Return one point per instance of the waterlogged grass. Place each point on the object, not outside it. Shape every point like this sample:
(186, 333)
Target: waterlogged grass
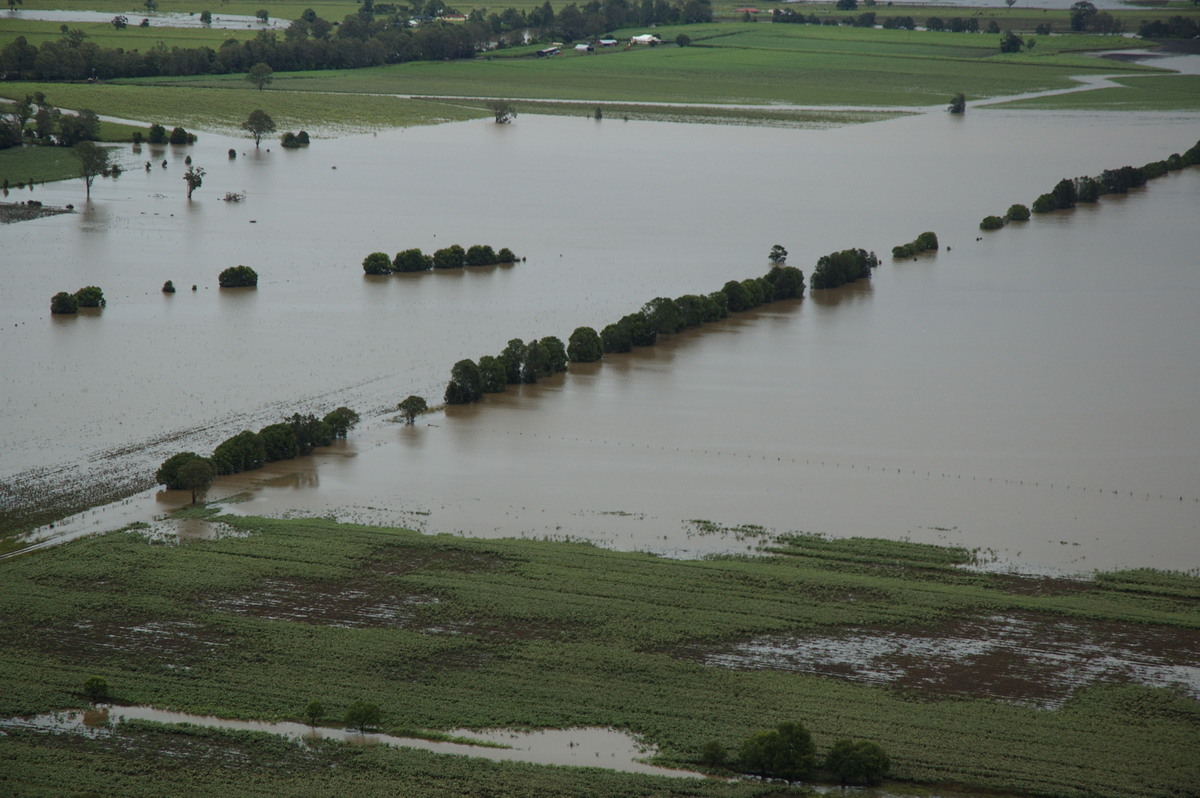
(154, 760)
(759, 117)
(226, 108)
(1140, 93)
(447, 632)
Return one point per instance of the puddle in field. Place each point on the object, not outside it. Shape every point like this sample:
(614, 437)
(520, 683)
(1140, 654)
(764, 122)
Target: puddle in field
(1022, 658)
(584, 747)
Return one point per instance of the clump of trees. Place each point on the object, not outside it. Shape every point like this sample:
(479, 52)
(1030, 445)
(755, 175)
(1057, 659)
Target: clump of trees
(89, 296)
(839, 268)
(958, 104)
(787, 752)
(520, 362)
(294, 140)
(1176, 27)
(923, 243)
(158, 134)
(238, 277)
(991, 223)
(451, 257)
(247, 451)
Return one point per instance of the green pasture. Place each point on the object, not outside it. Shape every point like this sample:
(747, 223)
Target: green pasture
(279, 9)
(105, 35)
(737, 64)
(226, 108)
(445, 632)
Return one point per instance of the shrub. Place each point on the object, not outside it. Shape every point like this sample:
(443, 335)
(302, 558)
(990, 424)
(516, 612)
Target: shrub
(991, 223)
(289, 140)
(451, 257)
(377, 263)
(168, 287)
(1017, 213)
(181, 136)
(95, 689)
(412, 260)
(157, 135)
(1044, 204)
(584, 346)
(90, 297)
(480, 255)
(64, 304)
(860, 762)
(238, 276)
(505, 255)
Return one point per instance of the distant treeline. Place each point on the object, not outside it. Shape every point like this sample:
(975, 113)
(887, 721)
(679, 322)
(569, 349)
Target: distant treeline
(1173, 28)
(376, 34)
(248, 450)
(526, 363)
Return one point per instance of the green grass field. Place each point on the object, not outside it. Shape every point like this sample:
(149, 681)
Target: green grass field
(105, 35)
(447, 632)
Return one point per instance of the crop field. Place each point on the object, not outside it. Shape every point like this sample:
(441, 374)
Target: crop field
(445, 632)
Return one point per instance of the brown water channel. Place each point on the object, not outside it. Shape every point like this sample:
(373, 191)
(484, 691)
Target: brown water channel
(582, 747)
(1031, 391)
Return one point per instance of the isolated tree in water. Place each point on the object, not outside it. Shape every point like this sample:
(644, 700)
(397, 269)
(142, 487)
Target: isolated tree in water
(259, 124)
(194, 176)
(778, 254)
(412, 407)
(93, 161)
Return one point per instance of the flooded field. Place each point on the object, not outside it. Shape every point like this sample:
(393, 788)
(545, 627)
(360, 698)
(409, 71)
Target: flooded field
(1030, 391)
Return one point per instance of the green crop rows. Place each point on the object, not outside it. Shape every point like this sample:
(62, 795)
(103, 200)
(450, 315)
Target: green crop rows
(446, 632)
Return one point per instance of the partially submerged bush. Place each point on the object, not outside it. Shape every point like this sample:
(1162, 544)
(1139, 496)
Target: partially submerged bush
(238, 277)
(991, 223)
(1017, 213)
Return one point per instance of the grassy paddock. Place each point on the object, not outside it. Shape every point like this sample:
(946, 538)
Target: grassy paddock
(447, 632)
(105, 35)
(225, 109)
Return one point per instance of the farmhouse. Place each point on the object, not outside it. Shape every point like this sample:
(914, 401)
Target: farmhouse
(646, 38)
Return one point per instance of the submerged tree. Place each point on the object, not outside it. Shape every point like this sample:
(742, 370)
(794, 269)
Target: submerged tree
(412, 407)
(93, 161)
(958, 104)
(196, 476)
(503, 111)
(259, 124)
(194, 177)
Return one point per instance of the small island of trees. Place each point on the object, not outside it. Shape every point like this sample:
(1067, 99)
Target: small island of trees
(451, 257)
(925, 242)
(238, 277)
(65, 304)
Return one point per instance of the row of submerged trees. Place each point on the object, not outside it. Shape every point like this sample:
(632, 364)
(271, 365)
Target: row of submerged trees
(526, 363)
(246, 451)
(1069, 192)
(451, 257)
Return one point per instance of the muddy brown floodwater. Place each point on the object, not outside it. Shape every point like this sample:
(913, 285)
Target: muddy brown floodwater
(1030, 391)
